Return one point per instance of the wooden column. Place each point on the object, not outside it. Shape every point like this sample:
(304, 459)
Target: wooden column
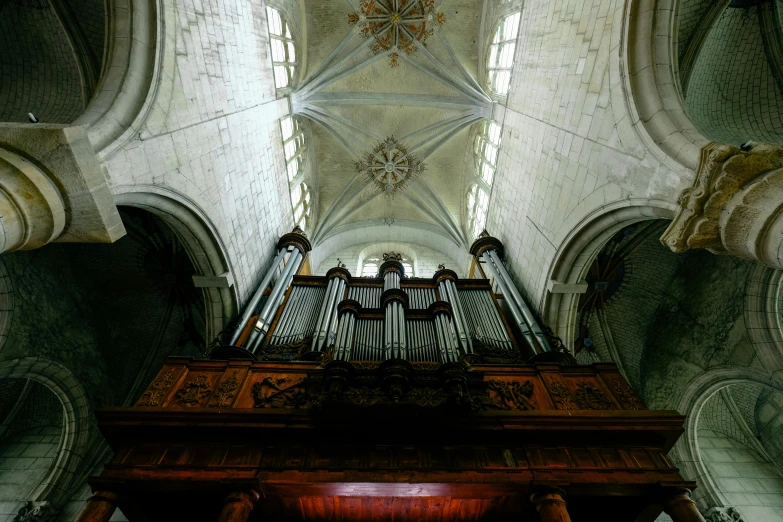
(99, 508)
(550, 504)
(681, 508)
(238, 506)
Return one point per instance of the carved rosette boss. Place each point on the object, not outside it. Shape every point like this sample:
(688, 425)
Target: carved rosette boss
(734, 205)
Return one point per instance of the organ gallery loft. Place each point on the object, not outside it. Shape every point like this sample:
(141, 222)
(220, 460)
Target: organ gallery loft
(391, 260)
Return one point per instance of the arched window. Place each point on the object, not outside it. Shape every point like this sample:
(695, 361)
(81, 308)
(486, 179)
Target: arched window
(478, 204)
(486, 149)
(283, 48)
(370, 267)
(501, 54)
(371, 264)
(300, 201)
(293, 146)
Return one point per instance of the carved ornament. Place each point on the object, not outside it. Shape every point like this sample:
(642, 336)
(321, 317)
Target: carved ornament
(626, 395)
(154, 395)
(396, 26)
(225, 392)
(732, 189)
(279, 393)
(36, 512)
(390, 166)
(724, 514)
(193, 392)
(286, 352)
(510, 395)
(562, 396)
(592, 398)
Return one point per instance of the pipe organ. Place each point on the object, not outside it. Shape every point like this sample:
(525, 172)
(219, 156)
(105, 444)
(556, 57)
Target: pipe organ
(389, 397)
(389, 317)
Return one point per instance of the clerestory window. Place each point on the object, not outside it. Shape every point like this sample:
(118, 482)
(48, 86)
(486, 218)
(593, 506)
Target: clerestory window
(486, 149)
(478, 205)
(501, 54)
(293, 146)
(283, 48)
(300, 201)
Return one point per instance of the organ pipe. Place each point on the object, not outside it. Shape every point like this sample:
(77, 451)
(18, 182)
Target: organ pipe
(490, 250)
(326, 329)
(253, 304)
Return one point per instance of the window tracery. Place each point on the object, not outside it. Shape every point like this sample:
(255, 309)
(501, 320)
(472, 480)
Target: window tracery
(283, 48)
(501, 54)
(486, 149)
(300, 201)
(293, 146)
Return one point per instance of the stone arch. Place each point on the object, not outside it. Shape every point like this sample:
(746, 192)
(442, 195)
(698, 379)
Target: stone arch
(367, 232)
(650, 81)
(202, 243)
(138, 44)
(762, 315)
(78, 427)
(692, 401)
(579, 246)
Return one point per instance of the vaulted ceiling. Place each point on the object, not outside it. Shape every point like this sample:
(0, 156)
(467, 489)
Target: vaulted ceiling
(423, 92)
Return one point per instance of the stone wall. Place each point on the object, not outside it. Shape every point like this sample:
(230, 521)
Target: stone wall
(212, 141)
(570, 152)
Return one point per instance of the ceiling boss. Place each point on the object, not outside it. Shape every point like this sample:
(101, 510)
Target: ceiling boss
(396, 25)
(390, 166)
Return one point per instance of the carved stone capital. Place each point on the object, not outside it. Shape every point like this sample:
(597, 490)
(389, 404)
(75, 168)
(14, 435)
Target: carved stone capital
(734, 205)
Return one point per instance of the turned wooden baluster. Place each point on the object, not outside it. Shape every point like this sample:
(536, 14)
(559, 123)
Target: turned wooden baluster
(99, 508)
(681, 508)
(238, 506)
(550, 504)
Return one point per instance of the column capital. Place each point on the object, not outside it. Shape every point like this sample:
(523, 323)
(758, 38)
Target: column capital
(734, 205)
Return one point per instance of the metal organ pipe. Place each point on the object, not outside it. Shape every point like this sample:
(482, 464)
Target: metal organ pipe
(518, 317)
(459, 315)
(278, 291)
(326, 329)
(527, 315)
(343, 345)
(253, 304)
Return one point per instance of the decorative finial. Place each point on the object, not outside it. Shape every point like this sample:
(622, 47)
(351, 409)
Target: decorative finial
(340, 264)
(298, 230)
(441, 266)
(392, 256)
(484, 233)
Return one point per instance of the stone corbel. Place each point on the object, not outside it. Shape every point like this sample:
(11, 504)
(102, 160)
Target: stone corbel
(36, 512)
(734, 206)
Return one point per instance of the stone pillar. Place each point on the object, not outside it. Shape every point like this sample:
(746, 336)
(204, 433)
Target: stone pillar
(681, 508)
(550, 504)
(238, 506)
(99, 508)
(735, 205)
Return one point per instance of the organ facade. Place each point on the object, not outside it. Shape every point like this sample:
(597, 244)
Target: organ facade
(389, 397)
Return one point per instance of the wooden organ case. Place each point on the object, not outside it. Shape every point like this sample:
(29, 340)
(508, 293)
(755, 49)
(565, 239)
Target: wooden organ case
(389, 398)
